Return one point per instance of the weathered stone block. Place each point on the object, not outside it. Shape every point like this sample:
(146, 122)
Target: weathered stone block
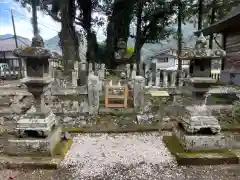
(28, 146)
(201, 142)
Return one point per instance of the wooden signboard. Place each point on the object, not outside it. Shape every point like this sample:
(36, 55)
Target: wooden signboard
(159, 93)
(109, 96)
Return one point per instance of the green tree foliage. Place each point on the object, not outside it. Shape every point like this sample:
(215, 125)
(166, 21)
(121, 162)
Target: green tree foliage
(222, 8)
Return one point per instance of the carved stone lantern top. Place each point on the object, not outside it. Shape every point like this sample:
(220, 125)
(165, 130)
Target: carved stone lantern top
(201, 51)
(35, 52)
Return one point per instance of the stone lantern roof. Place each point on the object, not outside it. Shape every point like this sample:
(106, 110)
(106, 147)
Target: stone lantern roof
(201, 51)
(36, 50)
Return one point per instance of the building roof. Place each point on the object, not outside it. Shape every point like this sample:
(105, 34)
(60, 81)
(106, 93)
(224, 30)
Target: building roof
(220, 26)
(8, 44)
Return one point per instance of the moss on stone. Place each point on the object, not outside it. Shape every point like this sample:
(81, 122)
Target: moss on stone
(107, 129)
(62, 147)
(198, 157)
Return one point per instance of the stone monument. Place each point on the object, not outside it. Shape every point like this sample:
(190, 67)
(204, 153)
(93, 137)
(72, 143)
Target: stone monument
(199, 130)
(37, 129)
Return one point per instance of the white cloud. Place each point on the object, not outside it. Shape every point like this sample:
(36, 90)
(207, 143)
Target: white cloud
(48, 27)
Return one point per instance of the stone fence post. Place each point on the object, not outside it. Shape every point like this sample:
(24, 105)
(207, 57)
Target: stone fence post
(93, 94)
(90, 69)
(134, 71)
(138, 93)
(24, 66)
(82, 73)
(75, 74)
(128, 71)
(101, 75)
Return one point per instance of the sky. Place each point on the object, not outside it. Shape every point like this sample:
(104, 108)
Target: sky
(22, 17)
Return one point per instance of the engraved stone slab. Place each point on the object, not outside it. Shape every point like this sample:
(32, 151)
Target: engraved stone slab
(201, 142)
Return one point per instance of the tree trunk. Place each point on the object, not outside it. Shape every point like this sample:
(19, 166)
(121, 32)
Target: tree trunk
(68, 36)
(138, 43)
(118, 27)
(110, 45)
(179, 31)
(212, 20)
(91, 47)
(86, 8)
(200, 13)
(34, 18)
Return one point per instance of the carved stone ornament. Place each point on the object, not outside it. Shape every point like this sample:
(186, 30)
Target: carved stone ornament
(201, 50)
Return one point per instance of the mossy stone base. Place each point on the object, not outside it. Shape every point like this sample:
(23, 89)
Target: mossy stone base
(35, 161)
(199, 157)
(28, 146)
(200, 141)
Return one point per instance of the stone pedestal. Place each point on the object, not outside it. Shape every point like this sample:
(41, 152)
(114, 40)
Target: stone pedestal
(33, 146)
(197, 86)
(201, 142)
(43, 123)
(199, 130)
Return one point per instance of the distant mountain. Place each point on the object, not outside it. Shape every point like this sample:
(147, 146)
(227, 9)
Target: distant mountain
(53, 44)
(148, 49)
(5, 36)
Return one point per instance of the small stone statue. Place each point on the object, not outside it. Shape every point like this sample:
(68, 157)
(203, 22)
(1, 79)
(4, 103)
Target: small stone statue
(201, 42)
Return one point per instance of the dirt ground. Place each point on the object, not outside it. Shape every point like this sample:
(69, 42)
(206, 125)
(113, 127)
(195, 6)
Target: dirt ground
(224, 172)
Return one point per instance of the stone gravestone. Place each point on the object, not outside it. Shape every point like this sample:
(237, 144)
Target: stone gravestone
(138, 93)
(154, 71)
(82, 73)
(93, 94)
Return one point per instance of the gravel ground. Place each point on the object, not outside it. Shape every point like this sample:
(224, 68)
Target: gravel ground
(123, 157)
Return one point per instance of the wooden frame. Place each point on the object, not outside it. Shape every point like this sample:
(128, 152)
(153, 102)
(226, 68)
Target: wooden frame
(123, 97)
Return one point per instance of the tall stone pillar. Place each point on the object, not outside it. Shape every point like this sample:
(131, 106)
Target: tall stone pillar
(138, 93)
(93, 94)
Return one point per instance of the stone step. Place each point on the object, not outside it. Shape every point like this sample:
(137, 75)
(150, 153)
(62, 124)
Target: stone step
(13, 162)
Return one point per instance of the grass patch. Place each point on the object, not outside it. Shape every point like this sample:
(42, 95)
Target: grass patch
(198, 157)
(117, 111)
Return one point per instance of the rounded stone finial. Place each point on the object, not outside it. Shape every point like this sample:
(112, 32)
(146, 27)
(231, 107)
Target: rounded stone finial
(37, 41)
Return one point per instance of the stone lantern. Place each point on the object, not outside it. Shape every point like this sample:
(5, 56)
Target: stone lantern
(37, 78)
(203, 62)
